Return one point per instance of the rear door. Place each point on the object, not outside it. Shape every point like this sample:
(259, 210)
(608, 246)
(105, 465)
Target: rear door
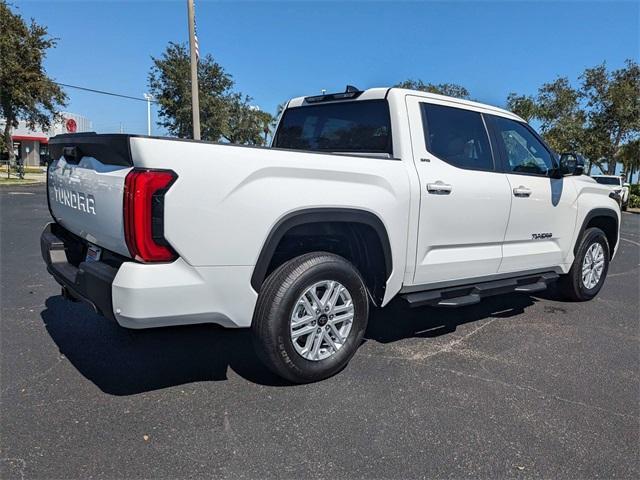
(464, 200)
(85, 187)
(543, 209)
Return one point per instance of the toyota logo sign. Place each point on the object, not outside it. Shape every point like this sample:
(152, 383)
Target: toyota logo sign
(71, 125)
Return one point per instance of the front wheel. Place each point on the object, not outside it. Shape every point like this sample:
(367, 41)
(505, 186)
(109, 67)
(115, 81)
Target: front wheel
(310, 317)
(589, 269)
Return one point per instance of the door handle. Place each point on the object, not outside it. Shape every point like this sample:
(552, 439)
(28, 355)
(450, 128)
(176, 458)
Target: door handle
(522, 191)
(439, 188)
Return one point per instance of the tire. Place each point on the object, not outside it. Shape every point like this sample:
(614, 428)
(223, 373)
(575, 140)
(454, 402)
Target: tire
(280, 305)
(624, 207)
(572, 285)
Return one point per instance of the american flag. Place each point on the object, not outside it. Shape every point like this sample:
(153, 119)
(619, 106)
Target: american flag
(195, 33)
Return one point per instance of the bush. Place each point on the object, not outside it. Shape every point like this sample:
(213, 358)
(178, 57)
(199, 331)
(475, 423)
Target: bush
(634, 201)
(635, 189)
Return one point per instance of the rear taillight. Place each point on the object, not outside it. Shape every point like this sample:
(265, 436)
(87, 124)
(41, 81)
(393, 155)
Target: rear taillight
(144, 215)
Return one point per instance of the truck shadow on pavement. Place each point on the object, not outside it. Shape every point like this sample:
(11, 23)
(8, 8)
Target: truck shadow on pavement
(127, 362)
(396, 321)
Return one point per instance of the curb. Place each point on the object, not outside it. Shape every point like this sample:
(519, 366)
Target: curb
(22, 183)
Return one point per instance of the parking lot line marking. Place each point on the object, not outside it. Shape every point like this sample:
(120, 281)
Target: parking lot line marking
(630, 241)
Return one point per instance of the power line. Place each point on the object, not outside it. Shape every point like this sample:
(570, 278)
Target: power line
(103, 92)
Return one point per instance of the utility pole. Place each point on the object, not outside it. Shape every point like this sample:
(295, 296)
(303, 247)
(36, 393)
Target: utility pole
(195, 102)
(149, 98)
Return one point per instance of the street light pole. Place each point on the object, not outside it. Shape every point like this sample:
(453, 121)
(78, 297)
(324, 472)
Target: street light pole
(195, 103)
(149, 98)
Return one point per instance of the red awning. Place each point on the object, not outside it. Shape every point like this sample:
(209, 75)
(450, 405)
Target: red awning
(28, 137)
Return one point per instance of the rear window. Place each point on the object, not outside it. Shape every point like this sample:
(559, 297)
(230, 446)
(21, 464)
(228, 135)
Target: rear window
(607, 180)
(361, 126)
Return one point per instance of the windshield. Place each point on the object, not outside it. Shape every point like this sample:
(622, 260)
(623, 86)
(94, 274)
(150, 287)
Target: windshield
(607, 180)
(360, 126)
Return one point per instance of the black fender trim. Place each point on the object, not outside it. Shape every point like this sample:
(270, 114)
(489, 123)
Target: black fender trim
(318, 215)
(596, 212)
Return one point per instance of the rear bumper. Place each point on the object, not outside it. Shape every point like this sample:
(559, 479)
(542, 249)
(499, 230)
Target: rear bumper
(139, 295)
(89, 282)
(164, 294)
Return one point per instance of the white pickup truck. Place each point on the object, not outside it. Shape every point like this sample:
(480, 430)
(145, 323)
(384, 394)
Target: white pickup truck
(618, 185)
(363, 196)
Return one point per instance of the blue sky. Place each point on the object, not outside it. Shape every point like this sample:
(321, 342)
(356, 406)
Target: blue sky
(277, 50)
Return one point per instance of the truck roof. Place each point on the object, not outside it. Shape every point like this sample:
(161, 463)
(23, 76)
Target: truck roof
(381, 93)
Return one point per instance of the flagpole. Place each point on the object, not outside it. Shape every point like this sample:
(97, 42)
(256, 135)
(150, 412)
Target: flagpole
(195, 103)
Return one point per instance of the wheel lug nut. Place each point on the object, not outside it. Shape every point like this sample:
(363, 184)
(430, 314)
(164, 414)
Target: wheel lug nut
(326, 309)
(313, 322)
(330, 317)
(319, 330)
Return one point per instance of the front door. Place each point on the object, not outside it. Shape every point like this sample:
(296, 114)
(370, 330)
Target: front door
(464, 200)
(543, 209)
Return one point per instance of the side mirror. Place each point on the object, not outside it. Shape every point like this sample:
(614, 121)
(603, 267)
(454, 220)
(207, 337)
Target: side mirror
(625, 184)
(571, 164)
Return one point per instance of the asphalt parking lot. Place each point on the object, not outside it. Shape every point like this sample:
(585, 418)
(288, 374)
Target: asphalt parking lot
(517, 386)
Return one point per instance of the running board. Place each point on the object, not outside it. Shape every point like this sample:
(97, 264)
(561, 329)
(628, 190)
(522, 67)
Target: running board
(471, 294)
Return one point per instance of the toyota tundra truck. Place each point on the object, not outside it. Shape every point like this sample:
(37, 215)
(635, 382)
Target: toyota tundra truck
(361, 197)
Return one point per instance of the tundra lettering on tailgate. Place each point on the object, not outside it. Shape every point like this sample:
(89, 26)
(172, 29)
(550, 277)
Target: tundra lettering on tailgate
(84, 202)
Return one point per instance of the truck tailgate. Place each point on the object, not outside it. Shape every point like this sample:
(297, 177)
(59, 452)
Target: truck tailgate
(85, 187)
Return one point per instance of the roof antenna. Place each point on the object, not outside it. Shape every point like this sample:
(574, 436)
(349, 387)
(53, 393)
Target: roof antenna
(351, 89)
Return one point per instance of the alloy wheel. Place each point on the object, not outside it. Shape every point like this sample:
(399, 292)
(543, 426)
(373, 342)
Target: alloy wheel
(321, 320)
(592, 265)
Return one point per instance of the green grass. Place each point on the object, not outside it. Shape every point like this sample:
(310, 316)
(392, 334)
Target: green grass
(16, 181)
(33, 169)
(30, 169)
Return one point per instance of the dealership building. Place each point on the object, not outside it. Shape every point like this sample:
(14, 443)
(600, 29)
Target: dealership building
(32, 146)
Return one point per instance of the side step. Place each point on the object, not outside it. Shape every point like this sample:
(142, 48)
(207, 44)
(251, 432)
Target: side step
(460, 301)
(471, 294)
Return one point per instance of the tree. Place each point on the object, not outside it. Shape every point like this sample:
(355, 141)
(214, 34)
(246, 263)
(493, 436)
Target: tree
(246, 124)
(613, 103)
(449, 89)
(597, 119)
(276, 118)
(266, 120)
(562, 118)
(170, 84)
(630, 158)
(26, 92)
(223, 113)
(522, 105)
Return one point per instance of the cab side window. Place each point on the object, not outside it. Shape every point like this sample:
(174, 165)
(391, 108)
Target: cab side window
(525, 153)
(457, 136)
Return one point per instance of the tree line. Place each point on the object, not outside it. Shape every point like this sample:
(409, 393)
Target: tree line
(598, 117)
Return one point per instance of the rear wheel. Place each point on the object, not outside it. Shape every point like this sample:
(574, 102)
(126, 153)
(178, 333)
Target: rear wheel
(310, 317)
(589, 269)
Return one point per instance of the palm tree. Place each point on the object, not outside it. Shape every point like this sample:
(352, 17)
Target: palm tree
(276, 117)
(629, 156)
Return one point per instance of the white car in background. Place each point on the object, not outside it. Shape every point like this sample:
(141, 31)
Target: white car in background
(617, 184)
